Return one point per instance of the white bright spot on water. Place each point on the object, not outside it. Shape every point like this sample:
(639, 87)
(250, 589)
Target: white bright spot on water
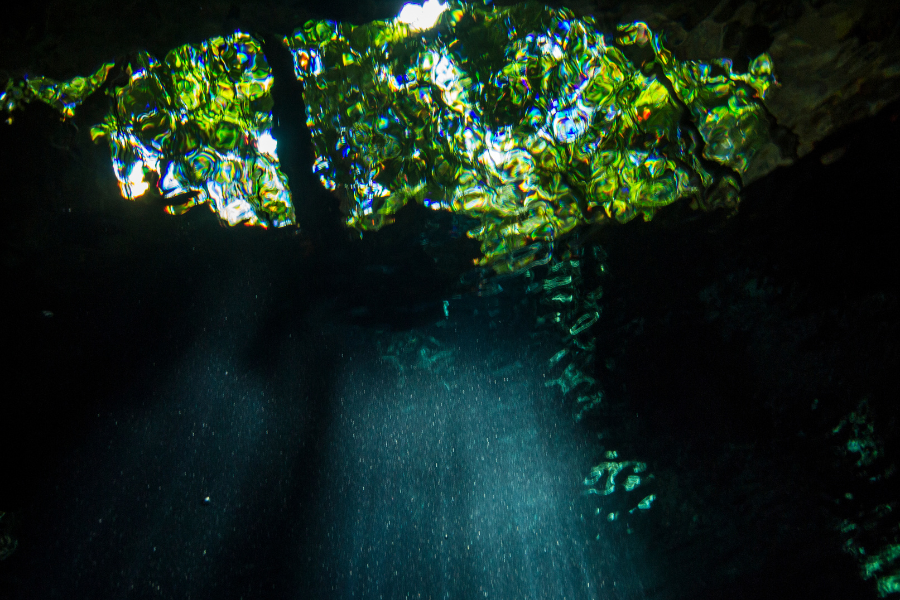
(237, 212)
(266, 144)
(444, 74)
(136, 184)
(421, 17)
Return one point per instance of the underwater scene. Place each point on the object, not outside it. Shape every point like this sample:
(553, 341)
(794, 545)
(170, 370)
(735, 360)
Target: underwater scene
(462, 299)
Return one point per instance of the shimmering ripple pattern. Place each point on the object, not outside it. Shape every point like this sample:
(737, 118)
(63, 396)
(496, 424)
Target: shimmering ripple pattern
(197, 125)
(526, 118)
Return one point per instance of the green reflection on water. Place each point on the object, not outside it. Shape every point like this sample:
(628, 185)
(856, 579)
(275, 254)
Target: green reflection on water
(524, 117)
